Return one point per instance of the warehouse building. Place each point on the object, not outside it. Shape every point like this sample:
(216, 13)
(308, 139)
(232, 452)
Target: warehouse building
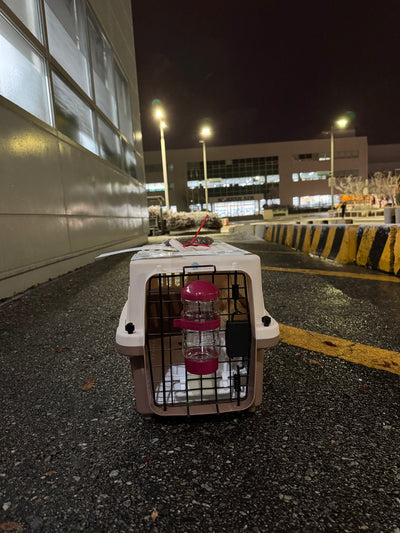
(242, 179)
(72, 181)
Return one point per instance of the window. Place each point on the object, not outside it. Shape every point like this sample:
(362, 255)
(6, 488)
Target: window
(318, 200)
(346, 154)
(273, 201)
(73, 117)
(303, 157)
(28, 12)
(153, 187)
(23, 74)
(270, 203)
(342, 154)
(236, 209)
(124, 105)
(67, 38)
(88, 101)
(233, 182)
(237, 168)
(310, 176)
(109, 144)
(103, 67)
(129, 159)
(344, 173)
(195, 207)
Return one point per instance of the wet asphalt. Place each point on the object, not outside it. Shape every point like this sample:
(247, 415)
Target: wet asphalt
(322, 453)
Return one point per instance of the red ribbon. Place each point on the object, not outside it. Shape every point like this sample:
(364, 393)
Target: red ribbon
(192, 243)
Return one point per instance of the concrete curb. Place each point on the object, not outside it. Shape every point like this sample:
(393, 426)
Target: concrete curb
(374, 247)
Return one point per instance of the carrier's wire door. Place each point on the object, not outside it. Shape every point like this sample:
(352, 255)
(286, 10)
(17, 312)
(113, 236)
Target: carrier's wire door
(171, 384)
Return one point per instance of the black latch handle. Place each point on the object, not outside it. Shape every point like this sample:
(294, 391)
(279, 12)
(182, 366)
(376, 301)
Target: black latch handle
(130, 328)
(266, 320)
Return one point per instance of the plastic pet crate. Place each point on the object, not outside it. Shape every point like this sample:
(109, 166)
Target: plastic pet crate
(147, 335)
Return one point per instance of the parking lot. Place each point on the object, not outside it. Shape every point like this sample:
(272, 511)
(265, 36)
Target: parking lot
(320, 454)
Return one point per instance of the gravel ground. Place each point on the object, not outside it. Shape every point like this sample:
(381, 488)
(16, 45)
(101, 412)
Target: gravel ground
(321, 454)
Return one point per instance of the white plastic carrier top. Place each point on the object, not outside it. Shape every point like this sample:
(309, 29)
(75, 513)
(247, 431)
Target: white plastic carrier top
(176, 249)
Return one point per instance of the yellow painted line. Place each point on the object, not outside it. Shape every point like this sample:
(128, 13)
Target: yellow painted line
(360, 354)
(333, 273)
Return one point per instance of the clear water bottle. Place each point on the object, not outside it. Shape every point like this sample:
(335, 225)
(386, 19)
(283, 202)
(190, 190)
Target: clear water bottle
(200, 325)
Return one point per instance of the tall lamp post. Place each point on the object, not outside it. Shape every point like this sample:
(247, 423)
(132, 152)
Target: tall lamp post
(340, 123)
(159, 115)
(205, 132)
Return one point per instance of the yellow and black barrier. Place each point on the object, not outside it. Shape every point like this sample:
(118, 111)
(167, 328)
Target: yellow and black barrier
(375, 247)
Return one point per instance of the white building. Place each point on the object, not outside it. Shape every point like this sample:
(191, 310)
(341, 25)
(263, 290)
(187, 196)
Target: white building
(243, 178)
(71, 157)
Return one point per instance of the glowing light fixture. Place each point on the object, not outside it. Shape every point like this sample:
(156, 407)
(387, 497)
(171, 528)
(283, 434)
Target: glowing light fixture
(340, 123)
(159, 114)
(204, 133)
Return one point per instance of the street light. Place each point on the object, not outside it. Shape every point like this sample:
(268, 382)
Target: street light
(205, 132)
(340, 124)
(159, 113)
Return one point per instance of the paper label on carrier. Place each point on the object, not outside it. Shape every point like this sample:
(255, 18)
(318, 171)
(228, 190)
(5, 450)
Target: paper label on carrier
(220, 248)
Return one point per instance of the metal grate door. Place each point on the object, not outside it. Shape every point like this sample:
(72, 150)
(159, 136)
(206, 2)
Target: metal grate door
(171, 384)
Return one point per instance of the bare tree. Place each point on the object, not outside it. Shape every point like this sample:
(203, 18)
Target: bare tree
(397, 194)
(385, 186)
(352, 186)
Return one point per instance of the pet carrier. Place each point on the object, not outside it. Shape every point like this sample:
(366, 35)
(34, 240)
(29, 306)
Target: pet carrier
(169, 326)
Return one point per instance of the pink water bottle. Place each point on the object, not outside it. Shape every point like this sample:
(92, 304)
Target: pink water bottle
(200, 325)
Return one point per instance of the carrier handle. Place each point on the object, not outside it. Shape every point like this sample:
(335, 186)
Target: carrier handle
(199, 268)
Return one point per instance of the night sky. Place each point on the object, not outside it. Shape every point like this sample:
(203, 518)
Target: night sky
(267, 70)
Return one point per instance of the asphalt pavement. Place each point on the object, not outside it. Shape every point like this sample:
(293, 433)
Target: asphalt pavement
(322, 453)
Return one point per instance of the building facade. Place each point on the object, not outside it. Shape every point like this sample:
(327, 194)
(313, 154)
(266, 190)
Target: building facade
(72, 180)
(384, 158)
(242, 179)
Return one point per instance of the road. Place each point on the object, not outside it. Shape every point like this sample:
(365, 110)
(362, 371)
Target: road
(321, 454)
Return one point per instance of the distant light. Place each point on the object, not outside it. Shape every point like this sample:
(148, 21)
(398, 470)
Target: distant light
(163, 124)
(342, 122)
(158, 113)
(205, 132)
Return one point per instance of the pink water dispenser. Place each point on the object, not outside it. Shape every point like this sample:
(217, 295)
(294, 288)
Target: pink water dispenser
(200, 323)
